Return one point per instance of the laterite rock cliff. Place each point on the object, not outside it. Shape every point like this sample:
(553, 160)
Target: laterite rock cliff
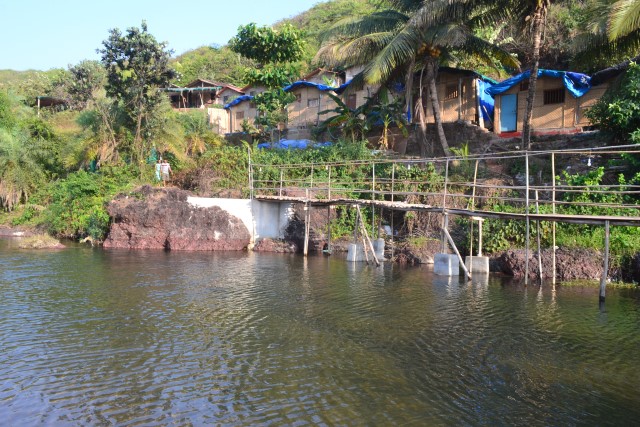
(161, 218)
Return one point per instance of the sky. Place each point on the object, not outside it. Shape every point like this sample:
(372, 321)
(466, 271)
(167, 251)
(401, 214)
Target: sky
(46, 34)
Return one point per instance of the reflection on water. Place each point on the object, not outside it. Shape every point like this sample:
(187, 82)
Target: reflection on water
(93, 337)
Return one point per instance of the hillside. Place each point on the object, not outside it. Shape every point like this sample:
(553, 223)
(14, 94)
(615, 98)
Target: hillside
(218, 63)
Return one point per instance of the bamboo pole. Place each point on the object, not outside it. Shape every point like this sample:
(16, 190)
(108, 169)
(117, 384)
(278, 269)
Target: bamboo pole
(526, 250)
(553, 209)
(455, 249)
(281, 174)
(445, 219)
(472, 206)
(605, 272)
(307, 218)
(329, 186)
(329, 228)
(538, 233)
(366, 236)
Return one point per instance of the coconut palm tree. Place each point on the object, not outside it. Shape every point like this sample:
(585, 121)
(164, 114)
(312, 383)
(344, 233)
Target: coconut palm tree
(411, 36)
(612, 34)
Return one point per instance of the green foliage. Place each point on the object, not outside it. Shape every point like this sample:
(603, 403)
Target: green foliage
(272, 105)
(87, 77)
(76, 205)
(137, 65)
(211, 63)
(618, 112)
(272, 75)
(266, 45)
(348, 122)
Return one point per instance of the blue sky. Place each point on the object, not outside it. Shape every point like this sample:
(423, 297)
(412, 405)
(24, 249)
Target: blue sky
(45, 34)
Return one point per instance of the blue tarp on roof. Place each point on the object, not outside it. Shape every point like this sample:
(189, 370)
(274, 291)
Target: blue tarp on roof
(320, 87)
(238, 100)
(576, 83)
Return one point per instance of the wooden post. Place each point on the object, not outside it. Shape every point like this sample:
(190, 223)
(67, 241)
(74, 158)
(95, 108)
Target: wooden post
(605, 272)
(472, 207)
(329, 186)
(281, 172)
(329, 228)
(455, 249)
(311, 185)
(307, 219)
(459, 99)
(526, 250)
(553, 207)
(373, 197)
(365, 235)
(445, 219)
(480, 236)
(250, 174)
(393, 180)
(538, 233)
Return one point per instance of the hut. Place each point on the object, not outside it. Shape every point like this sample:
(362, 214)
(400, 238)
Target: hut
(462, 97)
(560, 101)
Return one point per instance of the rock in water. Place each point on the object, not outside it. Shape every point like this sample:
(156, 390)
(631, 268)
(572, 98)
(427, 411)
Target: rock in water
(152, 218)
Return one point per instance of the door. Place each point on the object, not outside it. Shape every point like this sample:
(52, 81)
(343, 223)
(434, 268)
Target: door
(508, 113)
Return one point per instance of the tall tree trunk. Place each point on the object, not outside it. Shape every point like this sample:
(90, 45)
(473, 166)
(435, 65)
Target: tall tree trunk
(433, 96)
(537, 28)
(422, 121)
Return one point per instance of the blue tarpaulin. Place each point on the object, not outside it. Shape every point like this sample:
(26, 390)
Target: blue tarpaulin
(576, 83)
(486, 101)
(320, 87)
(289, 144)
(238, 100)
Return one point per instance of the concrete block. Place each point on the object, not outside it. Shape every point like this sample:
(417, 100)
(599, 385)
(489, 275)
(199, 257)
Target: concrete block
(477, 264)
(355, 253)
(446, 265)
(378, 246)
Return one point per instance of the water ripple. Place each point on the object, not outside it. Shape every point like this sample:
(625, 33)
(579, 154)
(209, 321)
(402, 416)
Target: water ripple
(149, 338)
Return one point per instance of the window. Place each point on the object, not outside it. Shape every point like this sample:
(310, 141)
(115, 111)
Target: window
(239, 115)
(451, 92)
(252, 93)
(298, 98)
(524, 85)
(313, 102)
(225, 99)
(351, 101)
(554, 96)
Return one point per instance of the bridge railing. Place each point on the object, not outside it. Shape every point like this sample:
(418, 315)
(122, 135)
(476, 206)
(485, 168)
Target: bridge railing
(575, 181)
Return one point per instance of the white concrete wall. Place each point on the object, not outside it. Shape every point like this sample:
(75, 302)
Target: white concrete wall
(262, 219)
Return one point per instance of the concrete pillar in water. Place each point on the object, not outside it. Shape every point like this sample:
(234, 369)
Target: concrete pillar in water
(446, 265)
(355, 253)
(378, 246)
(477, 264)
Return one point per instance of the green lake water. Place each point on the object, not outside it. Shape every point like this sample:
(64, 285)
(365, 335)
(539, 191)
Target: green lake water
(90, 337)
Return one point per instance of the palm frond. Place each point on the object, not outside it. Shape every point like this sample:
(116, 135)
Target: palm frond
(377, 22)
(624, 19)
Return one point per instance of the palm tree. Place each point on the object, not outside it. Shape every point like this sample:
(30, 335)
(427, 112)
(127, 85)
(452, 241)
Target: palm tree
(20, 172)
(624, 19)
(411, 36)
(612, 34)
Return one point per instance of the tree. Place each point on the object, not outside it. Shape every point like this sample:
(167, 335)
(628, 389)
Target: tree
(275, 52)
(411, 36)
(538, 15)
(137, 66)
(87, 78)
(21, 173)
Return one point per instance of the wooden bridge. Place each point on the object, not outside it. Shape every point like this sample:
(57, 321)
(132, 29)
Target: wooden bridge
(533, 188)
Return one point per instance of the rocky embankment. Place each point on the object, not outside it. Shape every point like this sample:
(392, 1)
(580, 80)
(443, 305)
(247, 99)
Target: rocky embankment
(161, 218)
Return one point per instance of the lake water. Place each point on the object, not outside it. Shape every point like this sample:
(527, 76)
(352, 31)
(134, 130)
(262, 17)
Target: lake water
(149, 338)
